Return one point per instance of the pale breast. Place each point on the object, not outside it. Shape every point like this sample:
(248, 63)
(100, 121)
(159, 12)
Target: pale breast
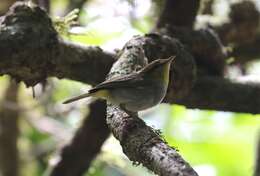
(138, 98)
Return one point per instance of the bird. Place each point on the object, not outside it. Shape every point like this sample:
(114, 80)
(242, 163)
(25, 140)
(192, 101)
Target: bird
(136, 91)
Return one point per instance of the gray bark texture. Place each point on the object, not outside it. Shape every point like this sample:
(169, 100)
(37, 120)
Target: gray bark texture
(9, 132)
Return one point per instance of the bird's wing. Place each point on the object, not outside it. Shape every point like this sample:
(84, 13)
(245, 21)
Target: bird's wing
(120, 81)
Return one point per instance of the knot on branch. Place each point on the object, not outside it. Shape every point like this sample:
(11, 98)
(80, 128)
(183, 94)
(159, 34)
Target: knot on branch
(25, 33)
(246, 18)
(242, 11)
(204, 45)
(243, 24)
(174, 9)
(183, 70)
(154, 46)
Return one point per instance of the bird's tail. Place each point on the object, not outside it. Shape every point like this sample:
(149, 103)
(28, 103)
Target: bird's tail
(77, 98)
(96, 93)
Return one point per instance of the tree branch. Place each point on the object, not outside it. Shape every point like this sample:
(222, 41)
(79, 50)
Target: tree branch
(223, 95)
(51, 56)
(244, 53)
(9, 158)
(35, 61)
(78, 62)
(242, 25)
(46, 55)
(180, 13)
(203, 44)
(140, 142)
(31, 50)
(144, 146)
(86, 144)
(241, 30)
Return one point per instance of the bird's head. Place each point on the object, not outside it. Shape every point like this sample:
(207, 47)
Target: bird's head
(159, 69)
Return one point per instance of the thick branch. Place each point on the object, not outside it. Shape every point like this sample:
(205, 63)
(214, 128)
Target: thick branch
(32, 62)
(242, 25)
(143, 145)
(247, 52)
(241, 30)
(177, 19)
(178, 13)
(9, 158)
(80, 63)
(50, 56)
(204, 45)
(140, 142)
(86, 144)
(31, 50)
(222, 94)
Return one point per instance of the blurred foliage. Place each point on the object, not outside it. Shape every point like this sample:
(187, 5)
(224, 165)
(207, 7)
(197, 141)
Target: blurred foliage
(224, 142)
(215, 143)
(63, 24)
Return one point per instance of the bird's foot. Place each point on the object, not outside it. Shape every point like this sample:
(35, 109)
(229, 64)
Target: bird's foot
(130, 113)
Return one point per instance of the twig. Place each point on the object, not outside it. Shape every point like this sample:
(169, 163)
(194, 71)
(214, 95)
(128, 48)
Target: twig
(85, 145)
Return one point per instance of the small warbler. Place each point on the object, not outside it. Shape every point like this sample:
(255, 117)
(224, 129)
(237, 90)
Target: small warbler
(136, 91)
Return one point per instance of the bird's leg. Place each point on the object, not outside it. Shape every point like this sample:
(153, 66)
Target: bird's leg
(135, 114)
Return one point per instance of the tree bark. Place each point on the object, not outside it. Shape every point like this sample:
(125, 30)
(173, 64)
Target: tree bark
(174, 9)
(140, 142)
(9, 132)
(225, 99)
(85, 145)
(33, 63)
(241, 31)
